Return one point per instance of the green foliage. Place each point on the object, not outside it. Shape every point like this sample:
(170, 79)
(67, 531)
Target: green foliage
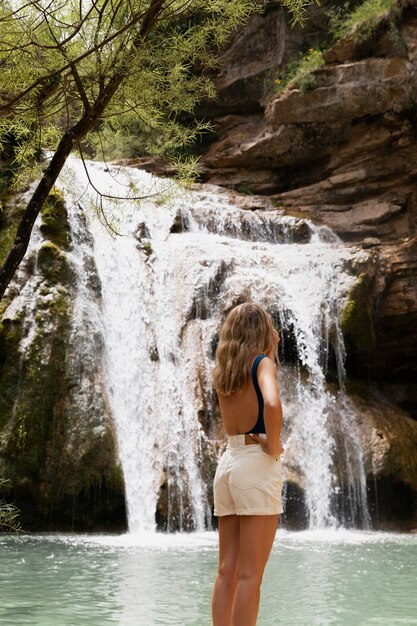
(352, 18)
(300, 73)
(297, 9)
(8, 512)
(363, 19)
(60, 59)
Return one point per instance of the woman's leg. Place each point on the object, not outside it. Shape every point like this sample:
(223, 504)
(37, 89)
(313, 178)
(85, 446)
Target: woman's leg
(225, 585)
(256, 536)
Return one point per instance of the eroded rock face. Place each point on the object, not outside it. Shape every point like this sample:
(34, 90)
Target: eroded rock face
(388, 439)
(389, 443)
(57, 445)
(344, 154)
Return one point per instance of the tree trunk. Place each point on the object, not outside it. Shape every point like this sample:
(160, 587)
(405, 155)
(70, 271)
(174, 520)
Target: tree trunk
(70, 139)
(35, 204)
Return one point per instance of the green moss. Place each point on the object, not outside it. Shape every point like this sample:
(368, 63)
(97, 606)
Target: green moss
(116, 479)
(300, 73)
(10, 336)
(33, 383)
(37, 415)
(55, 226)
(11, 212)
(7, 235)
(53, 264)
(146, 247)
(353, 20)
(356, 320)
(41, 377)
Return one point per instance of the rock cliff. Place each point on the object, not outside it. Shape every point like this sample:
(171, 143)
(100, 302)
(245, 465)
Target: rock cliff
(341, 152)
(57, 441)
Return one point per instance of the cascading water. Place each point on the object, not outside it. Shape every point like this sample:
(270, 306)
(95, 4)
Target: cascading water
(165, 285)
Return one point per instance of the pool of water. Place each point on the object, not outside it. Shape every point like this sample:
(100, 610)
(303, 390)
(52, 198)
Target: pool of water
(313, 578)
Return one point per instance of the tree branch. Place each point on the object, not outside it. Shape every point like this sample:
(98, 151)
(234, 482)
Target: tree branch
(43, 79)
(71, 138)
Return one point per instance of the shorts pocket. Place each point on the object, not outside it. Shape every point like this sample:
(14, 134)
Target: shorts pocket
(249, 471)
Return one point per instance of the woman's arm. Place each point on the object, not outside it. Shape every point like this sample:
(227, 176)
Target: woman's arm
(272, 409)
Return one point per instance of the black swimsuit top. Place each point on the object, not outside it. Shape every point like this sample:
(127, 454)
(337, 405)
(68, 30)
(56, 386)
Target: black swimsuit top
(260, 424)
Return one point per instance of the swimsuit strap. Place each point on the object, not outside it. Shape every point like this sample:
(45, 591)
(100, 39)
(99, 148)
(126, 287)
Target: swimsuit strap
(260, 424)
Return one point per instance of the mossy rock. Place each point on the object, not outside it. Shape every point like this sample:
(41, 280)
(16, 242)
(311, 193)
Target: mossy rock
(116, 479)
(11, 212)
(55, 225)
(10, 336)
(7, 235)
(58, 452)
(53, 264)
(356, 320)
(41, 377)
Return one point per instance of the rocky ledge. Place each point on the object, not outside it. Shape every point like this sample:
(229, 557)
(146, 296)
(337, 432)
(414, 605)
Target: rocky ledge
(342, 152)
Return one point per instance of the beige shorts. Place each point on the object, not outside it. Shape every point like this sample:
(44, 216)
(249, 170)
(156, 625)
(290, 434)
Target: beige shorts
(247, 481)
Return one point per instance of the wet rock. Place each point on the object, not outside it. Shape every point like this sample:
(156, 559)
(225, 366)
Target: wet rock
(142, 232)
(54, 224)
(389, 443)
(57, 444)
(388, 438)
(145, 246)
(180, 224)
(153, 165)
(357, 319)
(371, 242)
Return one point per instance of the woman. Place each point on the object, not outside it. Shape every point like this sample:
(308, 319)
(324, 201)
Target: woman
(248, 482)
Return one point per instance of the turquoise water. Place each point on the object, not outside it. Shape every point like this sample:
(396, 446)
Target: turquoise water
(313, 578)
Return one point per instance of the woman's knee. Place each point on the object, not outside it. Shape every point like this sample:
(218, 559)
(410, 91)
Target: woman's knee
(227, 571)
(251, 578)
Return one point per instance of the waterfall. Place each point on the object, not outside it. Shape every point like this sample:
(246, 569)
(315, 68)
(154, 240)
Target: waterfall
(180, 260)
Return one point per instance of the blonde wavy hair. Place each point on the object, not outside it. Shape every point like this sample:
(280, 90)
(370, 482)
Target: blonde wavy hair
(247, 331)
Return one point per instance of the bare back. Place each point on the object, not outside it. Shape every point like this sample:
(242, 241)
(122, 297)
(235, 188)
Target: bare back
(239, 410)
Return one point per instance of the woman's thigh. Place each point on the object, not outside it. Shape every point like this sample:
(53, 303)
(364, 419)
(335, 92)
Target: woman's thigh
(228, 542)
(256, 537)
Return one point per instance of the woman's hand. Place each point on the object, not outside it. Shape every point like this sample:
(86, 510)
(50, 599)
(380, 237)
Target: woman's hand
(265, 446)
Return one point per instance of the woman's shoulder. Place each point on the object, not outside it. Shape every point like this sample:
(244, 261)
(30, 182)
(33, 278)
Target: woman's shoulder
(266, 363)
